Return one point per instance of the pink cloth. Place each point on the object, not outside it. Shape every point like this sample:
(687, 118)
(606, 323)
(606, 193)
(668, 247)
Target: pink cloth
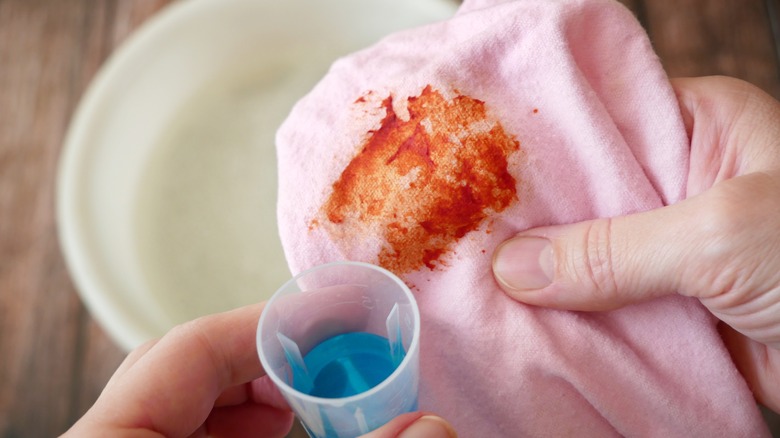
(427, 150)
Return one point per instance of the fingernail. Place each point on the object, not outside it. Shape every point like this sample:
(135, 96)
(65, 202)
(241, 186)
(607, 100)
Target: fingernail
(524, 263)
(429, 426)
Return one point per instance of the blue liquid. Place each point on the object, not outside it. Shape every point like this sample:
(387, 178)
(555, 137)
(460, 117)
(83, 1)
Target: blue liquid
(348, 364)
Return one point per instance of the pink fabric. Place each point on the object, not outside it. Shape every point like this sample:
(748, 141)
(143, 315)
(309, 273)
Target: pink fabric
(564, 110)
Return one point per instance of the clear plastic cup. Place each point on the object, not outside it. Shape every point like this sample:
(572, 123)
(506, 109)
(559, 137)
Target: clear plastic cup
(341, 341)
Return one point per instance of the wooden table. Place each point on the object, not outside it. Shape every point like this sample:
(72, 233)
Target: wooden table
(54, 359)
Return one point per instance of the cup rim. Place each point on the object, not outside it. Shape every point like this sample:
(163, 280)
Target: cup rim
(413, 346)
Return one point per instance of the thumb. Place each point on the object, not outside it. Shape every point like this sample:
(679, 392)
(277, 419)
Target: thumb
(414, 425)
(707, 246)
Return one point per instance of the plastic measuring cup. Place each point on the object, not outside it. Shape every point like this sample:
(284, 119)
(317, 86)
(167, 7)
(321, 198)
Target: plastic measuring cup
(341, 341)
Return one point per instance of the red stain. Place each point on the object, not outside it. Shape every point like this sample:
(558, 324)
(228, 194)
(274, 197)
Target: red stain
(536, 110)
(426, 181)
(362, 99)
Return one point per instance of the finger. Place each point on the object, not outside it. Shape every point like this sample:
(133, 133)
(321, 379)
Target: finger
(130, 360)
(414, 425)
(699, 247)
(265, 391)
(247, 420)
(594, 265)
(172, 387)
(261, 391)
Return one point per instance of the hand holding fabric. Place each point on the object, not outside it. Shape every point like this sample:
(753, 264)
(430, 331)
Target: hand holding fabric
(720, 245)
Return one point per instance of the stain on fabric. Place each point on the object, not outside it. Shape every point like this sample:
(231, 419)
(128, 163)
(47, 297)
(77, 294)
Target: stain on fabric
(425, 180)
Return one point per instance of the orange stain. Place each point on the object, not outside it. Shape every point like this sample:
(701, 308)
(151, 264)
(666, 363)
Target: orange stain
(426, 181)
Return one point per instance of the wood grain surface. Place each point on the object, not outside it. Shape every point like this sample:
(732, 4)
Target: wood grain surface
(54, 359)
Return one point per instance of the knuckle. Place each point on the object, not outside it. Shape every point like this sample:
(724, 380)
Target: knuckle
(725, 217)
(596, 267)
(721, 215)
(736, 204)
(739, 233)
(193, 335)
(186, 329)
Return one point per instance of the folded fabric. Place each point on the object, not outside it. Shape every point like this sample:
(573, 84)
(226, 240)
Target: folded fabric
(427, 150)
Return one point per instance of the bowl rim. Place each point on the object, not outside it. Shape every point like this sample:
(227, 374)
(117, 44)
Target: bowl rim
(89, 282)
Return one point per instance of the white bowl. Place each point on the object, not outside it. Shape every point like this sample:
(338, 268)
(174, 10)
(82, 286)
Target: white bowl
(167, 182)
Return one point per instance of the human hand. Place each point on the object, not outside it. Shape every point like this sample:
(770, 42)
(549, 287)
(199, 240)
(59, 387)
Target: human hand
(204, 378)
(720, 245)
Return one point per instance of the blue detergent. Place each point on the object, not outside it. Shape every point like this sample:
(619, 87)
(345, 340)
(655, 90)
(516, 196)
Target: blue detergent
(348, 364)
